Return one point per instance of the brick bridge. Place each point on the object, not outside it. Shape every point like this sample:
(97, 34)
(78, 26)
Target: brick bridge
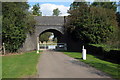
(44, 24)
(53, 24)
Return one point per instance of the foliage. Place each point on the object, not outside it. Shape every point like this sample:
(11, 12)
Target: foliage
(30, 23)
(91, 24)
(76, 5)
(119, 6)
(16, 23)
(0, 27)
(45, 37)
(105, 66)
(0, 24)
(104, 51)
(118, 18)
(0, 18)
(18, 66)
(56, 12)
(115, 41)
(108, 5)
(36, 10)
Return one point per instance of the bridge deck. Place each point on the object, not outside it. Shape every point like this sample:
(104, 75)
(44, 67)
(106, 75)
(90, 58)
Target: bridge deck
(49, 20)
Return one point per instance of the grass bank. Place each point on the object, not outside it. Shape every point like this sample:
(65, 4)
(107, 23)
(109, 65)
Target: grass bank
(16, 66)
(107, 67)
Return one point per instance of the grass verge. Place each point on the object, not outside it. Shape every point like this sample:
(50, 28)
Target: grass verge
(16, 66)
(110, 68)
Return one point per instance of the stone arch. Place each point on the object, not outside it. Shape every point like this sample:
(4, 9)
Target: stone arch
(40, 29)
(56, 33)
(45, 23)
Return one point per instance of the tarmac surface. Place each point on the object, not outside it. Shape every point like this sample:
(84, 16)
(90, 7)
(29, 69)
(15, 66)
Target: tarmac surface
(53, 64)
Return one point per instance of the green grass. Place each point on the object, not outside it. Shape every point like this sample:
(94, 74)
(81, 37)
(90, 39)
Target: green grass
(107, 67)
(16, 66)
(0, 67)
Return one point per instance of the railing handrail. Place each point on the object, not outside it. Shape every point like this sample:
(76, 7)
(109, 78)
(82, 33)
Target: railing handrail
(53, 43)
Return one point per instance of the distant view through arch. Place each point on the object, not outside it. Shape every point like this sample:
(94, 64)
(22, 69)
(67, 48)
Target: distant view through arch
(52, 39)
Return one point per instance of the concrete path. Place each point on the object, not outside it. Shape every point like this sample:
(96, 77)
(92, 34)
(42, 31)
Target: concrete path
(58, 65)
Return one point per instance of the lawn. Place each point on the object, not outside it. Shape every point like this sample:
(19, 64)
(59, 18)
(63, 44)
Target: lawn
(107, 67)
(17, 66)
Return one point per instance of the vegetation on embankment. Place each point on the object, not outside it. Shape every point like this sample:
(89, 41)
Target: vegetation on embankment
(16, 66)
(106, 47)
(16, 23)
(105, 52)
(105, 66)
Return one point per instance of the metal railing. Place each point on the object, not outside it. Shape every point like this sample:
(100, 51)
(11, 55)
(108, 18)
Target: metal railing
(55, 46)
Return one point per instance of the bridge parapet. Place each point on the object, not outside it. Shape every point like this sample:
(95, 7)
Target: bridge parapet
(49, 20)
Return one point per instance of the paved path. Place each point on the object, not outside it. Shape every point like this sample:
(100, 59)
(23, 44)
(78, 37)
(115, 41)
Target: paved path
(58, 65)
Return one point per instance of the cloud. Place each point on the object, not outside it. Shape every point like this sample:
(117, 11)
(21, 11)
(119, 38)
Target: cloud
(49, 0)
(47, 9)
(30, 8)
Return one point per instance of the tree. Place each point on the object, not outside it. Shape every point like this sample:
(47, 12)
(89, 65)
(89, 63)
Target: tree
(91, 24)
(36, 10)
(15, 24)
(76, 5)
(108, 5)
(0, 25)
(45, 37)
(56, 12)
(118, 18)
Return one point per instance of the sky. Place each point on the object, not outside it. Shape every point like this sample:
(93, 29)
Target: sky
(47, 7)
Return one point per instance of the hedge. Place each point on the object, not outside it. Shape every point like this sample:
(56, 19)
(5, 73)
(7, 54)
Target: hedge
(103, 53)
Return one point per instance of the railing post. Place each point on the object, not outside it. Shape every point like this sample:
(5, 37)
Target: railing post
(84, 53)
(4, 48)
(38, 45)
(65, 46)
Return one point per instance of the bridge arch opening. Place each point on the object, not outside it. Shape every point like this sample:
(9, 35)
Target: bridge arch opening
(57, 34)
(55, 42)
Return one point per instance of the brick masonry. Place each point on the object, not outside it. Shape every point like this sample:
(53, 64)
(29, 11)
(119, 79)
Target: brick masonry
(53, 24)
